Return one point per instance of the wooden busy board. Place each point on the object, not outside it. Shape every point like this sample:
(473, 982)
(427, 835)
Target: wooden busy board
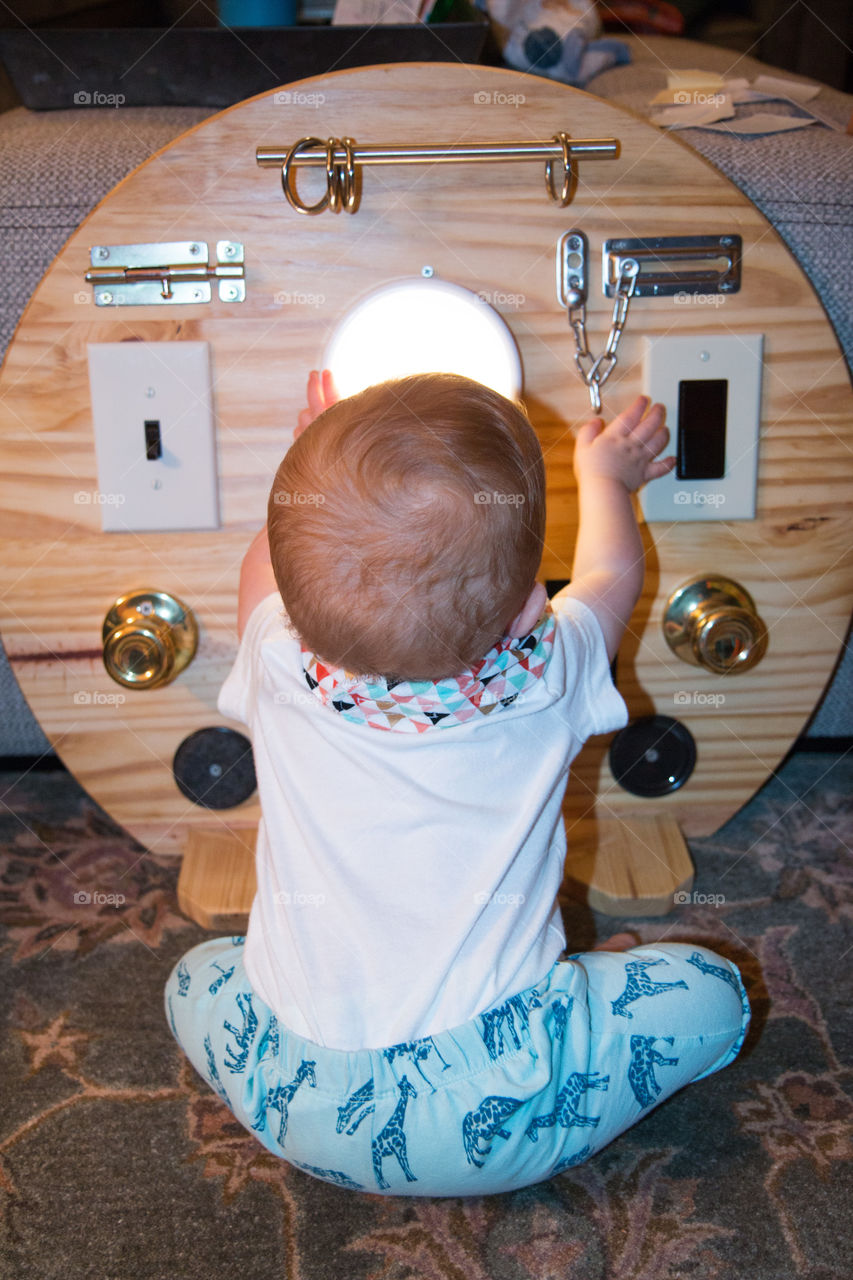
(492, 229)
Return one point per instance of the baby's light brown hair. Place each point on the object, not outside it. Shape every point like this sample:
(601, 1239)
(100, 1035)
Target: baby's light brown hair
(406, 526)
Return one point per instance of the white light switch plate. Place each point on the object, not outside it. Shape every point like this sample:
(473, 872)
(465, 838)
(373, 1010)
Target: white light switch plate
(132, 383)
(737, 357)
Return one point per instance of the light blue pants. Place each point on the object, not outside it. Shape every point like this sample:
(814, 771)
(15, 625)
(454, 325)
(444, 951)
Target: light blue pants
(533, 1086)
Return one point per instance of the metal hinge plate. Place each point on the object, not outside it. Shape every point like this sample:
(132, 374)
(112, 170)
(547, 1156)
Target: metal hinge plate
(176, 272)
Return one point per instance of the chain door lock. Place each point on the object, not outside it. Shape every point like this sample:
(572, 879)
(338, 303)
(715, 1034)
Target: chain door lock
(572, 291)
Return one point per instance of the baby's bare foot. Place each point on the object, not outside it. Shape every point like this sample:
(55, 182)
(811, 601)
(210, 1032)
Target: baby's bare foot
(618, 942)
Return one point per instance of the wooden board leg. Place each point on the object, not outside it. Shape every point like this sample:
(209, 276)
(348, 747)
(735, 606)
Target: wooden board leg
(628, 867)
(217, 882)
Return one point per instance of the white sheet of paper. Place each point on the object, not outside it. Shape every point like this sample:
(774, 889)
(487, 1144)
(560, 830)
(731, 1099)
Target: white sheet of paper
(792, 89)
(681, 97)
(693, 79)
(694, 113)
(764, 122)
(743, 92)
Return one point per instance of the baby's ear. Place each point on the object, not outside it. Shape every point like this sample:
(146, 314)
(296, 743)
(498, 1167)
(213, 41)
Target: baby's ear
(530, 612)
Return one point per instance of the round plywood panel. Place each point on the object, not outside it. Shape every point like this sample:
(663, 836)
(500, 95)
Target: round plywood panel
(491, 229)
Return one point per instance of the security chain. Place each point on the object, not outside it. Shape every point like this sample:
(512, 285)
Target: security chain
(595, 372)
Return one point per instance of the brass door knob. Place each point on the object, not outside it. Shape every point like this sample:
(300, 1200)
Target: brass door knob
(149, 637)
(712, 622)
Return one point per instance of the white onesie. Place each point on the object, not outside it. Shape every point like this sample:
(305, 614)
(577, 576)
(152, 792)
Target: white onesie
(407, 881)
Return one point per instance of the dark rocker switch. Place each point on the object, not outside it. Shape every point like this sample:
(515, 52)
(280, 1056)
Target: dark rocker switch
(153, 443)
(701, 445)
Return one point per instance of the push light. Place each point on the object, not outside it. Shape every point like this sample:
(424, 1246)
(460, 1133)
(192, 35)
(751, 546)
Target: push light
(423, 326)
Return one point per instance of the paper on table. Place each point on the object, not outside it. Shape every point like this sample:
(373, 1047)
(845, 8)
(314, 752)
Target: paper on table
(792, 89)
(764, 122)
(741, 91)
(695, 113)
(683, 97)
(694, 79)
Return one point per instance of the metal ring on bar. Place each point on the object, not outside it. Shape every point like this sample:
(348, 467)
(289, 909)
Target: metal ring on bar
(333, 178)
(341, 175)
(288, 178)
(569, 175)
(349, 176)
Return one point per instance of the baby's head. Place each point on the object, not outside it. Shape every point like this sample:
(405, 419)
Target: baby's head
(406, 526)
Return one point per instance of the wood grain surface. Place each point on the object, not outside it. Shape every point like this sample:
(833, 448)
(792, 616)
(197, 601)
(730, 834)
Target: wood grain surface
(491, 229)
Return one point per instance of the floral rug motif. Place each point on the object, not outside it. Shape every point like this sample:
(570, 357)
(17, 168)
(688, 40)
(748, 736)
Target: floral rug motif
(117, 1162)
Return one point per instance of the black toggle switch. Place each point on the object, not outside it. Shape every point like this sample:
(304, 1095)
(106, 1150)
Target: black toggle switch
(153, 443)
(701, 445)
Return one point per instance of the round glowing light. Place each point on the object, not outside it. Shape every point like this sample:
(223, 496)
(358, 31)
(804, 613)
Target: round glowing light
(423, 326)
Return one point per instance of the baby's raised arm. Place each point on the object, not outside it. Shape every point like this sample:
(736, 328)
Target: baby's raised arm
(257, 579)
(611, 462)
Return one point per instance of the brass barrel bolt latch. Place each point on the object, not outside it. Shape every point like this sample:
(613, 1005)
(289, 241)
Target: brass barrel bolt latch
(712, 622)
(149, 638)
(177, 271)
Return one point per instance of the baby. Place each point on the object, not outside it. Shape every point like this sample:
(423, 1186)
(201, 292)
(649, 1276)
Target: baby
(402, 1016)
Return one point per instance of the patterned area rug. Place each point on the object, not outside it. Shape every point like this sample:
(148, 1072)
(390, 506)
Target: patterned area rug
(118, 1162)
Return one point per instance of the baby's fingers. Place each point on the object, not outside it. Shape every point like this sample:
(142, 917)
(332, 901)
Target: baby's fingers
(655, 441)
(330, 391)
(660, 467)
(628, 420)
(650, 424)
(316, 400)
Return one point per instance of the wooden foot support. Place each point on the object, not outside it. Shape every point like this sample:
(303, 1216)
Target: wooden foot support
(217, 882)
(628, 867)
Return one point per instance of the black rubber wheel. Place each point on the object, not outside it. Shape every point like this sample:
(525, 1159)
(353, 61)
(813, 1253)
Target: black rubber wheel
(653, 756)
(214, 768)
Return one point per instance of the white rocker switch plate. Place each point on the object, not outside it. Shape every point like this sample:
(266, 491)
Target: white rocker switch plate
(154, 436)
(711, 387)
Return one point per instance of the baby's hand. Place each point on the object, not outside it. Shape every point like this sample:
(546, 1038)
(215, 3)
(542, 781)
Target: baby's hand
(627, 448)
(322, 394)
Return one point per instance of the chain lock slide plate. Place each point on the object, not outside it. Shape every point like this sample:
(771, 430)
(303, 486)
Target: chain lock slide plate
(675, 264)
